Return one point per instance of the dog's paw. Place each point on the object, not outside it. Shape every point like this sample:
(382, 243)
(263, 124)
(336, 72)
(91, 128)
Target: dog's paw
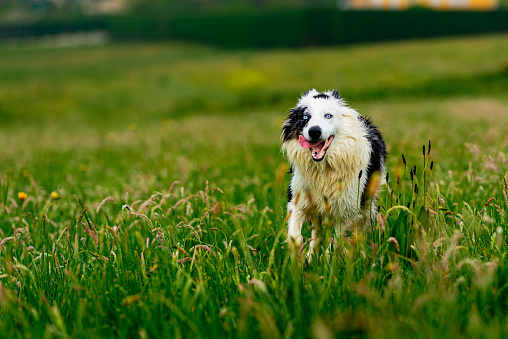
(295, 242)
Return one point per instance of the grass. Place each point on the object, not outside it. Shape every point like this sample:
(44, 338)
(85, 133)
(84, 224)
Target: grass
(156, 193)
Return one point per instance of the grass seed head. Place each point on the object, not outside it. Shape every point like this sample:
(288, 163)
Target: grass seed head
(499, 237)
(489, 201)
(395, 243)
(373, 184)
(381, 221)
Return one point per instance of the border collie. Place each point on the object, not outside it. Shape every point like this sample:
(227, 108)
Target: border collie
(337, 160)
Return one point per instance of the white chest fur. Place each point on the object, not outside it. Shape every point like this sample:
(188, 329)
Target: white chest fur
(332, 186)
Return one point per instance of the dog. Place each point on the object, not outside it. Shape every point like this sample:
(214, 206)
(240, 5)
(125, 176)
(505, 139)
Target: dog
(337, 160)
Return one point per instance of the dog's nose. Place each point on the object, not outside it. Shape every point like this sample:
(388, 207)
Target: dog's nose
(315, 132)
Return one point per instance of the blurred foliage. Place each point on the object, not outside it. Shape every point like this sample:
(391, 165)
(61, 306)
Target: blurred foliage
(33, 10)
(300, 27)
(27, 11)
(12, 11)
(267, 28)
(155, 7)
(173, 7)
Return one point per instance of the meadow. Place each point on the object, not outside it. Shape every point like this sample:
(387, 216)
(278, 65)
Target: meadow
(143, 192)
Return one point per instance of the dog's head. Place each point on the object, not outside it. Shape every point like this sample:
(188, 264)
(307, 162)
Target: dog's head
(316, 121)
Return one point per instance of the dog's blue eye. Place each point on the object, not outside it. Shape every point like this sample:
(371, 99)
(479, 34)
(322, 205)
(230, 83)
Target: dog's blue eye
(328, 116)
(305, 117)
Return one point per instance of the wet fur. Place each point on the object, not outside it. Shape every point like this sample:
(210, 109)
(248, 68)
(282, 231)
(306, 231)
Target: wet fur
(333, 187)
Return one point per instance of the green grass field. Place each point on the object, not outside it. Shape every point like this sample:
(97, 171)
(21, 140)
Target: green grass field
(155, 193)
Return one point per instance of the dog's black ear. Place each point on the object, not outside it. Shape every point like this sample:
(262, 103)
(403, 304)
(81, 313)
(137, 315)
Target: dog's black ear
(310, 90)
(336, 94)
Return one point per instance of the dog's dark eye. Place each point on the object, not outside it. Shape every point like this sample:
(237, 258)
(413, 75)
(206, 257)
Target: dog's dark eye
(328, 116)
(305, 117)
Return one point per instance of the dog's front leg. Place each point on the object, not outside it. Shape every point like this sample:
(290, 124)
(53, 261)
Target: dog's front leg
(295, 223)
(315, 242)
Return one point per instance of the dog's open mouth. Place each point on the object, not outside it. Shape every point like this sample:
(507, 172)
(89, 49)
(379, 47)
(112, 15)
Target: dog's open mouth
(317, 149)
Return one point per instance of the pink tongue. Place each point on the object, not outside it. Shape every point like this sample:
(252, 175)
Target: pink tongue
(307, 144)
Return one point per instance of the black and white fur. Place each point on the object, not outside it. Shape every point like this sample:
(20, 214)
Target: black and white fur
(334, 152)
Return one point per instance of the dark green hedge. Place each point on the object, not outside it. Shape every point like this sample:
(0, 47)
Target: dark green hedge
(286, 28)
(308, 27)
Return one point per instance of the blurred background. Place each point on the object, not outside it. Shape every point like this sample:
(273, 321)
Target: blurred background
(201, 87)
(254, 23)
